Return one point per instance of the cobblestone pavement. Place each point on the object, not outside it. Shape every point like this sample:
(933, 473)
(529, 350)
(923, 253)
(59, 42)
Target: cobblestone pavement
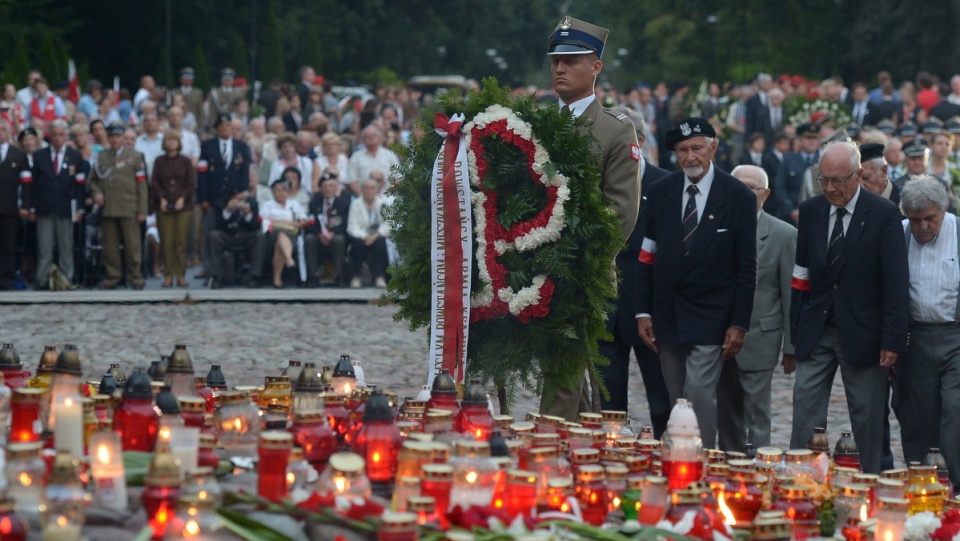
(252, 340)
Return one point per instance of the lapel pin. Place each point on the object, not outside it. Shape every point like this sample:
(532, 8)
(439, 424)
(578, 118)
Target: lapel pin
(710, 217)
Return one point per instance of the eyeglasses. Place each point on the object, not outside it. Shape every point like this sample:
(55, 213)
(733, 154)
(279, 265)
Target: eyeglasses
(835, 181)
(756, 188)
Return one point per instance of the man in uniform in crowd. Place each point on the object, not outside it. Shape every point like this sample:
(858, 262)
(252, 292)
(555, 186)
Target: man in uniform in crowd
(917, 157)
(893, 154)
(875, 172)
(744, 390)
(622, 323)
(57, 201)
(221, 99)
(698, 270)
(575, 50)
(223, 170)
(118, 183)
(927, 378)
(237, 226)
(326, 238)
(192, 97)
(15, 183)
(850, 303)
(789, 180)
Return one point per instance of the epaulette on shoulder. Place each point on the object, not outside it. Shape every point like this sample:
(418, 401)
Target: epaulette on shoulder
(619, 116)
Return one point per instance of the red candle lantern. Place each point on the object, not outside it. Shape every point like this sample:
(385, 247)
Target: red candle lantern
(475, 419)
(207, 454)
(742, 495)
(192, 410)
(11, 367)
(592, 421)
(25, 423)
(519, 493)
(398, 527)
(592, 494)
(161, 491)
(337, 416)
(137, 421)
(12, 526)
(686, 500)
(357, 405)
(436, 482)
(845, 454)
(274, 450)
(206, 393)
(378, 442)
(443, 394)
(681, 458)
(799, 509)
(318, 440)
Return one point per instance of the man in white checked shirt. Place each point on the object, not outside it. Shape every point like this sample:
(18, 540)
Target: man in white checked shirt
(928, 379)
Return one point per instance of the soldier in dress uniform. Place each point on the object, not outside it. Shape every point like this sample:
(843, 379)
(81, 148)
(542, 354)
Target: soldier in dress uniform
(222, 98)
(575, 50)
(118, 182)
(192, 96)
(15, 183)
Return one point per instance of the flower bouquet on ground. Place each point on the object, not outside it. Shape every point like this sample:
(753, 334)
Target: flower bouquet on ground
(543, 240)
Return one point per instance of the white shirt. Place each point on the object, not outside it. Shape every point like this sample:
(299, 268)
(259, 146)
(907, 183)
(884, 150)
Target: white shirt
(191, 144)
(271, 211)
(579, 106)
(342, 165)
(934, 275)
(150, 148)
(3, 151)
(703, 186)
(851, 205)
(304, 165)
(362, 164)
(228, 155)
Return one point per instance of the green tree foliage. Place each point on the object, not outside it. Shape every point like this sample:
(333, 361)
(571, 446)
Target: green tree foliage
(270, 64)
(201, 72)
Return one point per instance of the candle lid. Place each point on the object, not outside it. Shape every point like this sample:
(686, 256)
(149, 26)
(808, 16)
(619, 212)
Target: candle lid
(613, 416)
(308, 416)
(855, 491)
(47, 360)
(741, 463)
(9, 358)
(215, 378)
(344, 368)
(408, 482)
(162, 470)
(580, 433)
(599, 436)
(436, 416)
(590, 472)
(560, 485)
(716, 455)
(474, 394)
(20, 451)
(346, 464)
(868, 479)
(207, 441)
(68, 361)
(66, 469)
(893, 504)
(718, 469)
(332, 399)
(471, 449)
(899, 473)
(502, 422)
(547, 439)
(771, 513)
(167, 402)
(108, 384)
(648, 445)
(656, 480)
(231, 398)
(541, 454)
(180, 362)
(891, 484)
(552, 421)
(421, 504)
(191, 404)
(771, 528)
(138, 386)
(522, 476)
(585, 456)
(391, 520)
(436, 472)
(769, 454)
(800, 455)
(24, 395)
(276, 382)
(309, 379)
(589, 418)
(521, 427)
(378, 408)
(795, 492)
(616, 472)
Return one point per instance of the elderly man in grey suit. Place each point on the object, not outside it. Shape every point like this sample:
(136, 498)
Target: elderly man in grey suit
(744, 390)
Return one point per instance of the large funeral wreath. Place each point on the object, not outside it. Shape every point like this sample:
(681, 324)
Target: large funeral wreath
(544, 240)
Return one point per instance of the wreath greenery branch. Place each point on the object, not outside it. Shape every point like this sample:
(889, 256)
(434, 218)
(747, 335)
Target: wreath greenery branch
(547, 352)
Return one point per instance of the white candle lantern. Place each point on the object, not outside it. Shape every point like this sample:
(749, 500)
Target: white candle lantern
(106, 463)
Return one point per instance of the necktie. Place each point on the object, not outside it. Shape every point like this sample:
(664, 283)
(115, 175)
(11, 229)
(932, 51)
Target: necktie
(565, 110)
(690, 218)
(836, 237)
(223, 152)
(56, 161)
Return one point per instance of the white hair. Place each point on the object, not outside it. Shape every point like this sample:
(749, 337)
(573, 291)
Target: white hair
(920, 191)
(853, 151)
(752, 169)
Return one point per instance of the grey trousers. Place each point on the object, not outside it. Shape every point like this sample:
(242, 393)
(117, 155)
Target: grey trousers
(866, 390)
(53, 230)
(745, 415)
(692, 372)
(928, 381)
(570, 403)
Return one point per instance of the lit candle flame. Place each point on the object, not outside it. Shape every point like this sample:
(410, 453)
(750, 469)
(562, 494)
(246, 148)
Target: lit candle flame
(192, 528)
(863, 512)
(62, 521)
(341, 484)
(728, 517)
(472, 477)
(291, 478)
(103, 454)
(25, 479)
(888, 535)
(237, 424)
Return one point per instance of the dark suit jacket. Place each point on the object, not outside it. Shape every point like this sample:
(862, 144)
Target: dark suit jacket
(752, 110)
(336, 219)
(788, 183)
(12, 179)
(763, 124)
(693, 300)
(868, 290)
(624, 317)
(236, 222)
(945, 110)
(52, 191)
(217, 181)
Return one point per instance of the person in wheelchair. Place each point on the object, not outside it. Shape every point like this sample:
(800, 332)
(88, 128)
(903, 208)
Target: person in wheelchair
(237, 228)
(283, 221)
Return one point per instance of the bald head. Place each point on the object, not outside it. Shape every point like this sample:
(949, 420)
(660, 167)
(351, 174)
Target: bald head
(756, 179)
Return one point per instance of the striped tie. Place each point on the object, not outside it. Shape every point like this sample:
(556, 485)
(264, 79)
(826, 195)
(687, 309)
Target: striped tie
(836, 238)
(690, 218)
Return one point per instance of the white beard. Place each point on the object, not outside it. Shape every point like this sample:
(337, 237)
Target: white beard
(693, 172)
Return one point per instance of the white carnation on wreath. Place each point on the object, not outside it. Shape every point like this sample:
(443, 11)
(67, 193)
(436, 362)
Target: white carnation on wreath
(919, 527)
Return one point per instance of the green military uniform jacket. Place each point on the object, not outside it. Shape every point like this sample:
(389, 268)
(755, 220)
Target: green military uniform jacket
(619, 154)
(122, 179)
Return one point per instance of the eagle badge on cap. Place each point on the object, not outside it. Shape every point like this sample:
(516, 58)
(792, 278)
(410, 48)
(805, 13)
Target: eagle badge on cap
(565, 23)
(685, 129)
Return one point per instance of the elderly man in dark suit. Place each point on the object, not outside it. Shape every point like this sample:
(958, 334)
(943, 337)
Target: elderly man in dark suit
(850, 302)
(15, 183)
(698, 271)
(621, 323)
(223, 170)
(744, 390)
(59, 190)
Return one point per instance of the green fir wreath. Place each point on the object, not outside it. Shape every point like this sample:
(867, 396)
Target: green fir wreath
(549, 350)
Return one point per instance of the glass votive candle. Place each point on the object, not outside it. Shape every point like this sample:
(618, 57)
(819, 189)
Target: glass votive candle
(799, 509)
(396, 526)
(519, 493)
(405, 488)
(274, 451)
(580, 438)
(653, 500)
(202, 484)
(345, 476)
(106, 464)
(474, 475)
(890, 488)
(559, 491)
(891, 519)
(616, 482)
(593, 421)
(852, 504)
(25, 422)
(436, 481)
(591, 492)
(425, 507)
(25, 471)
(413, 455)
(238, 424)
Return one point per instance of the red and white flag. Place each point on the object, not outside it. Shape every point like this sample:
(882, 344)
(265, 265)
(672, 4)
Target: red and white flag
(73, 81)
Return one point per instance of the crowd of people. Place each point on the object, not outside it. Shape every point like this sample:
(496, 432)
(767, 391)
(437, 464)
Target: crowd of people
(116, 188)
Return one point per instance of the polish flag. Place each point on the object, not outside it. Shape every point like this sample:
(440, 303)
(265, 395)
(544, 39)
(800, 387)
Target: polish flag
(73, 81)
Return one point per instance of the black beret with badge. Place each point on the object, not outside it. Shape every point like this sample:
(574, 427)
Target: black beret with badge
(116, 128)
(688, 129)
(916, 149)
(573, 36)
(870, 151)
(808, 129)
